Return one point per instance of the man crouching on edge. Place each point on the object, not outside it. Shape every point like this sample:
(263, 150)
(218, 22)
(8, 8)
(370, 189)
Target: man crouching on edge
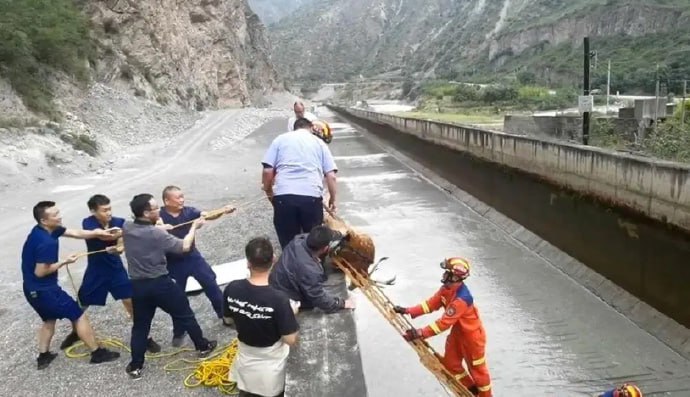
(40, 265)
(266, 325)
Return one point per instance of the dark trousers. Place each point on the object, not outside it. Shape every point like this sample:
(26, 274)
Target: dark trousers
(147, 296)
(202, 272)
(293, 215)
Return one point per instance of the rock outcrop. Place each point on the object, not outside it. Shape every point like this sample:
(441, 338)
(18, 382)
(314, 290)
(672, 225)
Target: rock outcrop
(196, 53)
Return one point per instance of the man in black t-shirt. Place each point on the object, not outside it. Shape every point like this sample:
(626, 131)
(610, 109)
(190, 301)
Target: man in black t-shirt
(266, 325)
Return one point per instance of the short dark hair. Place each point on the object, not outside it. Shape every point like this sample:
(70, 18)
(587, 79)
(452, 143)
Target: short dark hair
(167, 190)
(259, 253)
(320, 236)
(40, 209)
(140, 203)
(96, 201)
(302, 123)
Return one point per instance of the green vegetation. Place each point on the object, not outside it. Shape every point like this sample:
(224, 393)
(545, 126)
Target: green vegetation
(512, 96)
(633, 64)
(81, 142)
(37, 36)
(17, 122)
(670, 140)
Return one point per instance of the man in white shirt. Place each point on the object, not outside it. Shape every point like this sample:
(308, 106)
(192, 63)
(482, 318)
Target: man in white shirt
(299, 113)
(297, 163)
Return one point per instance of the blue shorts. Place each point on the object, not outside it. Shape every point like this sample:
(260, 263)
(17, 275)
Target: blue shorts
(53, 304)
(98, 283)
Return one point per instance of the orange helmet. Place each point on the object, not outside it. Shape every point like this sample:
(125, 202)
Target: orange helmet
(627, 390)
(456, 269)
(322, 130)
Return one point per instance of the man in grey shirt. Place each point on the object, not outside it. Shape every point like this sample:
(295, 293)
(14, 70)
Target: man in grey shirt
(152, 287)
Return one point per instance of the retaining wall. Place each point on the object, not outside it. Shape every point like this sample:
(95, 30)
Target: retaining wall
(657, 189)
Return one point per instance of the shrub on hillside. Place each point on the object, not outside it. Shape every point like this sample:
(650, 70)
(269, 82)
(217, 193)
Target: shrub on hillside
(39, 35)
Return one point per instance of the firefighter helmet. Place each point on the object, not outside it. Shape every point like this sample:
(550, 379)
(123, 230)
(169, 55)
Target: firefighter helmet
(322, 130)
(456, 269)
(627, 390)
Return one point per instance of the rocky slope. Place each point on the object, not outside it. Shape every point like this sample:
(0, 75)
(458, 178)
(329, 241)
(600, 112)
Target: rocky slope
(345, 38)
(197, 53)
(155, 65)
(272, 11)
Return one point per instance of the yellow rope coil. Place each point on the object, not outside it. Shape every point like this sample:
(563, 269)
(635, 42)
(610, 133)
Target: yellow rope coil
(212, 371)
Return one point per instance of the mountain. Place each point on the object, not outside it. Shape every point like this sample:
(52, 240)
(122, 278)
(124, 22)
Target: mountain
(197, 54)
(271, 11)
(341, 39)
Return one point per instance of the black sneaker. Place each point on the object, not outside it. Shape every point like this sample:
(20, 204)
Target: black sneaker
(210, 347)
(102, 355)
(71, 339)
(152, 346)
(134, 373)
(44, 359)
(178, 341)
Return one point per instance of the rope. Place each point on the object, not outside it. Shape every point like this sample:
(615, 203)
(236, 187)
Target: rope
(211, 371)
(219, 211)
(427, 355)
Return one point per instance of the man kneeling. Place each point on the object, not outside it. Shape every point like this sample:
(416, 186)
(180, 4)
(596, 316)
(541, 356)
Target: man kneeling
(266, 325)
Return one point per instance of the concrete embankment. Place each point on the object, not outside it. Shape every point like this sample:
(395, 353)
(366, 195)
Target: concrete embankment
(624, 217)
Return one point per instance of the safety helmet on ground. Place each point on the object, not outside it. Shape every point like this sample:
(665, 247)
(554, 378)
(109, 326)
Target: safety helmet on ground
(322, 130)
(456, 269)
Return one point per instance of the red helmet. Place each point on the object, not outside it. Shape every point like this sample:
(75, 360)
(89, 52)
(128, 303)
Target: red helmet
(458, 268)
(627, 390)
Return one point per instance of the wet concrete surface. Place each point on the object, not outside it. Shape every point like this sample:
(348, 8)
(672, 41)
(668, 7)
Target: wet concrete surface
(326, 361)
(547, 334)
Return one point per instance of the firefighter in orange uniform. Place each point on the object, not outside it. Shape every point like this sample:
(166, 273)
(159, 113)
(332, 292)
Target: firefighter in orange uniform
(467, 339)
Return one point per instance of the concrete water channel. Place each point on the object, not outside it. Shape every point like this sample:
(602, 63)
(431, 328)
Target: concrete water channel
(547, 334)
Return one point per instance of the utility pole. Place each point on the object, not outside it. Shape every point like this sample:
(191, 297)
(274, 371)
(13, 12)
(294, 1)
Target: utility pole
(585, 115)
(682, 111)
(608, 88)
(656, 108)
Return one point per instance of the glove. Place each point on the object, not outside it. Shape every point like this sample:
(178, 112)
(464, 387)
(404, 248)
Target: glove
(412, 334)
(400, 309)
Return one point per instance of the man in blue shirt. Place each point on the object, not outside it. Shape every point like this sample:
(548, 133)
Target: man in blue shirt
(294, 169)
(40, 264)
(105, 272)
(192, 263)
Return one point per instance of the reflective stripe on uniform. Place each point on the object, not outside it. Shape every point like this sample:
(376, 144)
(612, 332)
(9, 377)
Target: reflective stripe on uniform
(484, 388)
(435, 328)
(478, 361)
(464, 374)
(425, 307)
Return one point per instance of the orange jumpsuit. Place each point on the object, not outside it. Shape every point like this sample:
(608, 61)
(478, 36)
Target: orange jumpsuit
(467, 338)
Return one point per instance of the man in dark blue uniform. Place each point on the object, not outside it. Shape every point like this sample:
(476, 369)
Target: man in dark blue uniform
(105, 272)
(40, 264)
(152, 288)
(192, 263)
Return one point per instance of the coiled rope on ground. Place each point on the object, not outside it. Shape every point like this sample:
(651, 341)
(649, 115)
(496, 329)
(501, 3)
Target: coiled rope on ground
(212, 371)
